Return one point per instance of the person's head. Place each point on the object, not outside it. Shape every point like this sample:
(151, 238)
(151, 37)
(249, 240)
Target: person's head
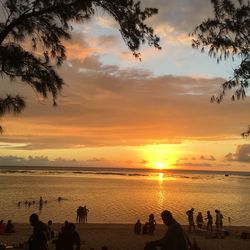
(34, 219)
(50, 222)
(167, 217)
(192, 209)
(9, 221)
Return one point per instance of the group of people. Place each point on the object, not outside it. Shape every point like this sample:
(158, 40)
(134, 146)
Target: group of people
(67, 239)
(174, 239)
(82, 214)
(28, 203)
(6, 228)
(209, 218)
(147, 228)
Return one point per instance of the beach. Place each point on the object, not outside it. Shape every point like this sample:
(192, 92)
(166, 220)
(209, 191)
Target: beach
(122, 237)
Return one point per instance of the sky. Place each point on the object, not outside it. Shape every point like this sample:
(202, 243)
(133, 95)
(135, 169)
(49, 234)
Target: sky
(117, 111)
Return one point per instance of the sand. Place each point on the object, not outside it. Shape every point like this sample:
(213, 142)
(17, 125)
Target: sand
(122, 237)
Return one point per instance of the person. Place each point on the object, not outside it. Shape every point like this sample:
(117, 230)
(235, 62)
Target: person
(174, 239)
(2, 227)
(38, 239)
(218, 223)
(9, 227)
(85, 211)
(199, 220)
(145, 228)
(221, 220)
(209, 221)
(217, 219)
(51, 232)
(137, 227)
(151, 224)
(190, 214)
(68, 239)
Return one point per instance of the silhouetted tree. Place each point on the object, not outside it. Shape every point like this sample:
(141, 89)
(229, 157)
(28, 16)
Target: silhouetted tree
(32, 34)
(246, 134)
(228, 34)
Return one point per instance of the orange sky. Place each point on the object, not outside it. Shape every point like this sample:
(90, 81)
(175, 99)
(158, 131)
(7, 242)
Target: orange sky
(119, 112)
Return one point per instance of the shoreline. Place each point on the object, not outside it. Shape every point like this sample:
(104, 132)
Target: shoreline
(122, 237)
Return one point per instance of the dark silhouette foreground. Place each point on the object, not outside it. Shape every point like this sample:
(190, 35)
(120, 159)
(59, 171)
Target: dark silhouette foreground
(174, 239)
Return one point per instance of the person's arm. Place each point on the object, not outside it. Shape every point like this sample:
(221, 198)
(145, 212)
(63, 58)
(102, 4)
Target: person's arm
(166, 240)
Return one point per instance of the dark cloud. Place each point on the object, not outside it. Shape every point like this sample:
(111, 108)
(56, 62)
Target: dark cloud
(95, 160)
(182, 15)
(242, 154)
(35, 161)
(207, 158)
(192, 164)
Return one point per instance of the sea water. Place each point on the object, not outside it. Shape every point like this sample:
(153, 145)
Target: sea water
(122, 195)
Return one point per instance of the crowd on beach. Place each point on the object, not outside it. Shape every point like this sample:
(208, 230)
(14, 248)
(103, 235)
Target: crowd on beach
(68, 238)
(209, 218)
(149, 226)
(82, 214)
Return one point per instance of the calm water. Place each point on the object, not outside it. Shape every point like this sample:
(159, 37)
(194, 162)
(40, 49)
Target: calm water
(123, 196)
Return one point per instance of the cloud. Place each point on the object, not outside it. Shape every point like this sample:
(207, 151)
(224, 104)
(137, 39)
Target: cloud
(207, 158)
(95, 160)
(143, 162)
(103, 105)
(242, 154)
(35, 161)
(191, 164)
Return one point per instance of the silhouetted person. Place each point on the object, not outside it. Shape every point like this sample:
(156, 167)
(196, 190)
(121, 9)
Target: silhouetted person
(221, 220)
(51, 232)
(209, 221)
(68, 239)
(151, 224)
(40, 203)
(9, 228)
(190, 214)
(85, 214)
(199, 220)
(174, 238)
(38, 239)
(145, 228)
(137, 227)
(2, 227)
(218, 223)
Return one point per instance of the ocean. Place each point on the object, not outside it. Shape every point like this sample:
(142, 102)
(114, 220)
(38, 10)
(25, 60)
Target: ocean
(122, 195)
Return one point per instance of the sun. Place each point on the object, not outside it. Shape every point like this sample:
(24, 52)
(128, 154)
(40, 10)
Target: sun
(160, 165)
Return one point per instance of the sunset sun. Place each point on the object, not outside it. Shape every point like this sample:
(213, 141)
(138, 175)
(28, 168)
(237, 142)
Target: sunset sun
(160, 165)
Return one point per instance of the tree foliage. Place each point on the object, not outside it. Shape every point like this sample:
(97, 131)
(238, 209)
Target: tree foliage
(228, 35)
(246, 133)
(45, 24)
